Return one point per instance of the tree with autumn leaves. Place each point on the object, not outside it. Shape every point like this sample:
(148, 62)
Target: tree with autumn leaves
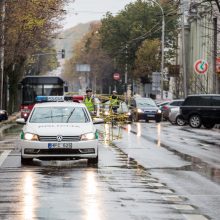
(29, 27)
(131, 38)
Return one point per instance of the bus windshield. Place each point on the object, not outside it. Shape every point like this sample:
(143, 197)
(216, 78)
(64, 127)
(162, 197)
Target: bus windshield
(40, 86)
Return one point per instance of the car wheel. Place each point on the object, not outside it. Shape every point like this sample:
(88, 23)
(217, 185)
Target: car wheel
(93, 160)
(209, 125)
(180, 121)
(195, 121)
(26, 160)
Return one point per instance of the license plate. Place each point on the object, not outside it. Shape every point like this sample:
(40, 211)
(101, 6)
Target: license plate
(60, 145)
(150, 116)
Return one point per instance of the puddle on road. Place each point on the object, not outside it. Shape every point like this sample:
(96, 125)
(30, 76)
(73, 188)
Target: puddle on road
(197, 165)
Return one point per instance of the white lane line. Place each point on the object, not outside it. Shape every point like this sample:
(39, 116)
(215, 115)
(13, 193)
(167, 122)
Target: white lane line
(173, 198)
(194, 217)
(4, 156)
(183, 207)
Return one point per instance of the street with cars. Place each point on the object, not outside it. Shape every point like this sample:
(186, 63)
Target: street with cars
(150, 171)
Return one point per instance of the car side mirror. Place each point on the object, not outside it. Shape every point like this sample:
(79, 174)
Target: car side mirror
(21, 121)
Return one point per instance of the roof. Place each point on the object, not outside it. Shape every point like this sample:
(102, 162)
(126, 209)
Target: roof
(60, 104)
(41, 80)
(203, 95)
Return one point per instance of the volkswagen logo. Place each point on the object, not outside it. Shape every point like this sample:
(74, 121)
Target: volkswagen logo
(59, 138)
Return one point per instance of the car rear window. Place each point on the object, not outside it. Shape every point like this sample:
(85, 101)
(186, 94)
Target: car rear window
(198, 101)
(59, 115)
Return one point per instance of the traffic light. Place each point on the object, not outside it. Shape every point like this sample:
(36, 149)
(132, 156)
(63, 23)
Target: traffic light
(63, 53)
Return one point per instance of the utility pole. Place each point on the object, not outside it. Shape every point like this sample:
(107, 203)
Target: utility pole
(126, 68)
(162, 47)
(2, 51)
(183, 49)
(215, 76)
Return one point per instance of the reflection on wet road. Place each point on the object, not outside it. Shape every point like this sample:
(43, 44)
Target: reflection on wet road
(119, 188)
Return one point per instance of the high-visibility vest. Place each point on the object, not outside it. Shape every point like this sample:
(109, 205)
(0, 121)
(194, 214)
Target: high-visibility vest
(114, 102)
(89, 104)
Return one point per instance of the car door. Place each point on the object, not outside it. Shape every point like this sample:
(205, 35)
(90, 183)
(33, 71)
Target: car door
(216, 108)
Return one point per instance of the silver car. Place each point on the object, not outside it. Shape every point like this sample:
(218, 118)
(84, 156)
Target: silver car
(175, 116)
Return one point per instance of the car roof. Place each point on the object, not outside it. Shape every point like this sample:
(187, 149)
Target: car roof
(59, 104)
(177, 100)
(204, 95)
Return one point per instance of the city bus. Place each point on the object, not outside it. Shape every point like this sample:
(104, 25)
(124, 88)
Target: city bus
(33, 86)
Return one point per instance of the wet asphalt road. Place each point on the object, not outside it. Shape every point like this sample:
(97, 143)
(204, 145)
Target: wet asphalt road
(156, 171)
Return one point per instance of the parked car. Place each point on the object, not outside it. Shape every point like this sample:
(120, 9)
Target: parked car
(145, 109)
(59, 130)
(200, 110)
(172, 104)
(3, 115)
(175, 117)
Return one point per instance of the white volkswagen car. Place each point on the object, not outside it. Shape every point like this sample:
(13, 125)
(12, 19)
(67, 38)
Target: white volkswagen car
(59, 130)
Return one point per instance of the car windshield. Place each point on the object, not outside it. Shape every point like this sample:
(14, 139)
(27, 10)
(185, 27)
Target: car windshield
(59, 115)
(145, 103)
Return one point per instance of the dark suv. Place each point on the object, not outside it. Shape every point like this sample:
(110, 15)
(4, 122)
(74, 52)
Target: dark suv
(200, 110)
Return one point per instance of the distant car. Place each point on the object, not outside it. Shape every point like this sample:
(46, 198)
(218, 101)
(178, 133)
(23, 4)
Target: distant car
(3, 115)
(145, 109)
(175, 117)
(59, 130)
(202, 109)
(172, 104)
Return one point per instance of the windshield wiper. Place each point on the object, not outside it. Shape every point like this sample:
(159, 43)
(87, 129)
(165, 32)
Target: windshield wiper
(70, 115)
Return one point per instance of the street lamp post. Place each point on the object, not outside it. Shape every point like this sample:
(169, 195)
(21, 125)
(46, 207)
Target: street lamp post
(2, 51)
(162, 46)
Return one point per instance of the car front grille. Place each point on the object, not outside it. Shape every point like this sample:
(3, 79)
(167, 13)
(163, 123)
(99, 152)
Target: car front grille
(150, 112)
(58, 151)
(54, 138)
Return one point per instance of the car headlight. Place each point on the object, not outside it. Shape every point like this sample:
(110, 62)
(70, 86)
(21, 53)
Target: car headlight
(128, 113)
(88, 136)
(31, 137)
(139, 110)
(2, 112)
(159, 111)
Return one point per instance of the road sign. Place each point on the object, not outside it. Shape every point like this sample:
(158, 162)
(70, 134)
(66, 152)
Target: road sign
(116, 76)
(201, 66)
(218, 65)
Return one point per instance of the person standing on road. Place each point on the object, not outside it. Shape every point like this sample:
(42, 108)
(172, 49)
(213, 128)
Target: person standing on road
(89, 101)
(114, 101)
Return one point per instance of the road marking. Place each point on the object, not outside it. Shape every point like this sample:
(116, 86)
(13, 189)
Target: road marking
(163, 191)
(183, 207)
(173, 198)
(4, 156)
(194, 217)
(156, 184)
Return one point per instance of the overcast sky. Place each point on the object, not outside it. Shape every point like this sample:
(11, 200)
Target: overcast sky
(83, 11)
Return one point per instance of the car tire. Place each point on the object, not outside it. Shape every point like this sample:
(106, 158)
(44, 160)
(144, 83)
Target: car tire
(195, 121)
(209, 125)
(180, 121)
(25, 161)
(93, 160)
